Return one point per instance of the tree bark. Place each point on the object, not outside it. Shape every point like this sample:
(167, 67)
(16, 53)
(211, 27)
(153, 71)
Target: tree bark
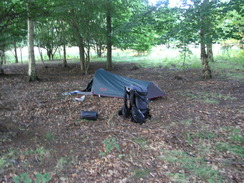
(210, 52)
(1, 62)
(32, 63)
(87, 61)
(109, 38)
(82, 54)
(40, 52)
(1, 70)
(15, 53)
(21, 55)
(206, 71)
(99, 49)
(49, 54)
(64, 56)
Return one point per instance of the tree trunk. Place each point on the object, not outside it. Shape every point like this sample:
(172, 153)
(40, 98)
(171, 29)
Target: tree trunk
(32, 64)
(49, 54)
(82, 54)
(99, 49)
(210, 52)
(109, 39)
(206, 71)
(87, 58)
(64, 54)
(1, 62)
(21, 55)
(15, 54)
(1, 70)
(40, 52)
(41, 55)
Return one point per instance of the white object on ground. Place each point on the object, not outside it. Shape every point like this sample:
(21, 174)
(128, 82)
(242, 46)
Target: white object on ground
(82, 98)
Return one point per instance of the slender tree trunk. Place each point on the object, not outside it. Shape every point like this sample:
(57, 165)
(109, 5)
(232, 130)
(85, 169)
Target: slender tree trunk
(49, 54)
(206, 71)
(21, 55)
(16, 54)
(82, 54)
(1, 70)
(64, 58)
(99, 49)
(210, 52)
(87, 58)
(32, 63)
(40, 52)
(54, 52)
(109, 39)
(41, 55)
(1, 62)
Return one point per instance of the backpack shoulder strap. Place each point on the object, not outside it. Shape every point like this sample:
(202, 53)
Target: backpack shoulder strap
(125, 111)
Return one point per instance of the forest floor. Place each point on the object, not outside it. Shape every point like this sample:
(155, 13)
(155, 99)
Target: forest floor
(195, 133)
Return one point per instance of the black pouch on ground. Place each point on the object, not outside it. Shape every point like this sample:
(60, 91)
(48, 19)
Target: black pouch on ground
(89, 115)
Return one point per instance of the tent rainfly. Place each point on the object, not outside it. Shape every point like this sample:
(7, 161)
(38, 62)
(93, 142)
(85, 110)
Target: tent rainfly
(105, 83)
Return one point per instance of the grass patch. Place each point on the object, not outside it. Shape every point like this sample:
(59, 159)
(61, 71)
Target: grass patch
(209, 98)
(141, 173)
(7, 159)
(234, 149)
(179, 177)
(236, 136)
(110, 144)
(61, 164)
(230, 64)
(49, 136)
(234, 143)
(40, 178)
(192, 166)
(204, 135)
(186, 122)
(142, 141)
(40, 153)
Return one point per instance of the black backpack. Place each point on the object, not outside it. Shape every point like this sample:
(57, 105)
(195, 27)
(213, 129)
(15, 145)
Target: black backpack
(137, 108)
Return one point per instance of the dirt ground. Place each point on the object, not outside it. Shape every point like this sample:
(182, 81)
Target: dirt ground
(41, 131)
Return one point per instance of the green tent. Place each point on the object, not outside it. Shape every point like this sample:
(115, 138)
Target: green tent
(105, 83)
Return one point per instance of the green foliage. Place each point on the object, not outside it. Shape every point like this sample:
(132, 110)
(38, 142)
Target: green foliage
(39, 152)
(40, 178)
(110, 144)
(23, 178)
(3, 163)
(7, 159)
(43, 178)
(49, 136)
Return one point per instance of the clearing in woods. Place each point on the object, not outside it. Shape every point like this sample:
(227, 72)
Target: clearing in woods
(195, 134)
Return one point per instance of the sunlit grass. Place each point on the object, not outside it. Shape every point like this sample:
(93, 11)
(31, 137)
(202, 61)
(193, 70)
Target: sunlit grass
(163, 57)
